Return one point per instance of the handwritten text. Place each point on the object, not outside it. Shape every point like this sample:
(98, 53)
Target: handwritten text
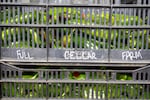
(80, 55)
(131, 55)
(23, 55)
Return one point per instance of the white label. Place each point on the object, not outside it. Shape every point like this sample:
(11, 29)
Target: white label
(22, 55)
(131, 55)
(79, 55)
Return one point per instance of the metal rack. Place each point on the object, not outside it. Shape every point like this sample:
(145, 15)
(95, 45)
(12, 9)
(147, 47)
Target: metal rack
(63, 84)
(54, 36)
(71, 40)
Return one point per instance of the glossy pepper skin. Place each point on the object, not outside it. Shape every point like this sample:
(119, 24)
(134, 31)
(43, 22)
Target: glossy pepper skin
(76, 74)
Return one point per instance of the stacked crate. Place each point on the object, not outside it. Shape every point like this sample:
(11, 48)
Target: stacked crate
(69, 49)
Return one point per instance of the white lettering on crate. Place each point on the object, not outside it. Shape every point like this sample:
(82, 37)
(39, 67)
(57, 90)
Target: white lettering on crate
(131, 55)
(79, 55)
(23, 55)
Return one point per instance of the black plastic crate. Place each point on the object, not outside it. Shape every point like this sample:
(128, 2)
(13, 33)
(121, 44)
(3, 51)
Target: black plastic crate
(93, 31)
(52, 84)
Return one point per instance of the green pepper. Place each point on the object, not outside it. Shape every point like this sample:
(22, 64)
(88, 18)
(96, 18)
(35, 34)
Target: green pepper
(125, 19)
(36, 37)
(21, 44)
(33, 77)
(9, 32)
(102, 34)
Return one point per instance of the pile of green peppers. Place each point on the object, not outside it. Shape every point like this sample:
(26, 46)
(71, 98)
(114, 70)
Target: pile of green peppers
(70, 16)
